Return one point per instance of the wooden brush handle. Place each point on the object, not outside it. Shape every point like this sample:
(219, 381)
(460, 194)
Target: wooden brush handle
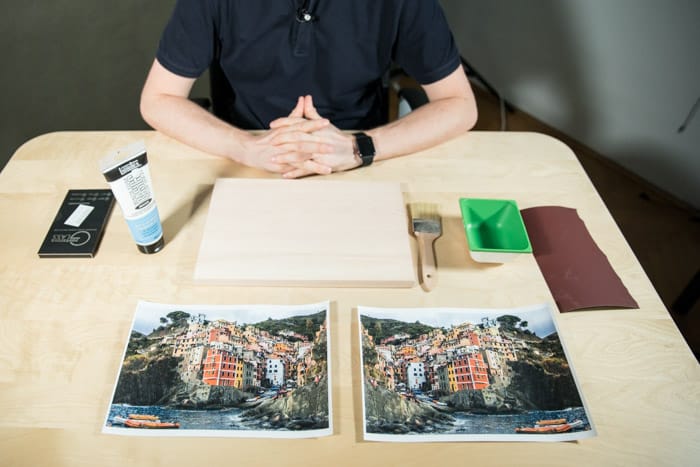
(426, 259)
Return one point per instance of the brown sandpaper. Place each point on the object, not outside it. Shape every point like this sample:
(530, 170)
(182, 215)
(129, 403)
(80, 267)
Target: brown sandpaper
(577, 272)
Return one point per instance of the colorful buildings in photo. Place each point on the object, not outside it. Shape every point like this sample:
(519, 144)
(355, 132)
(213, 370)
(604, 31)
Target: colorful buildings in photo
(464, 357)
(222, 353)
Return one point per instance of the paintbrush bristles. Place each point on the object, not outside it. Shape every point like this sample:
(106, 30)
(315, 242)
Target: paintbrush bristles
(428, 211)
(426, 228)
(425, 218)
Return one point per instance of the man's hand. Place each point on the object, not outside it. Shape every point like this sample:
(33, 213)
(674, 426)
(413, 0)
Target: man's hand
(341, 155)
(288, 148)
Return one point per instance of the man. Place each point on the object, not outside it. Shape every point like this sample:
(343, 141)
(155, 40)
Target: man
(303, 71)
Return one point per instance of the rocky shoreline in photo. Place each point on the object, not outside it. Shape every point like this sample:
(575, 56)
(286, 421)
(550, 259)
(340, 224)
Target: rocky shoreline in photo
(388, 412)
(305, 408)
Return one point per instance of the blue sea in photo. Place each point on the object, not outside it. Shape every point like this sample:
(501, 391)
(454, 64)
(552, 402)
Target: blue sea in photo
(224, 419)
(506, 424)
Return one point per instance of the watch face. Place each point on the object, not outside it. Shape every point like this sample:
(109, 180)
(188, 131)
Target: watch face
(365, 146)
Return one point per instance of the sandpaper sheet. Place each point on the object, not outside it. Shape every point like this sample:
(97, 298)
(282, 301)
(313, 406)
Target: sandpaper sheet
(577, 272)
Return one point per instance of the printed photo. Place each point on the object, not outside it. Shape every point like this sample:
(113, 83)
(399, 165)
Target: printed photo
(468, 375)
(243, 370)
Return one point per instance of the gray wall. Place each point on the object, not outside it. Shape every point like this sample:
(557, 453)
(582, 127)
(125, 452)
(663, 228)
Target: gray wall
(74, 65)
(617, 75)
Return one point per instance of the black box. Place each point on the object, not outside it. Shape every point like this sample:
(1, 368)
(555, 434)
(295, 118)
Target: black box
(79, 224)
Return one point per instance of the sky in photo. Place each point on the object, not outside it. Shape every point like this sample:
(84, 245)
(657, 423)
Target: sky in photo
(539, 318)
(148, 315)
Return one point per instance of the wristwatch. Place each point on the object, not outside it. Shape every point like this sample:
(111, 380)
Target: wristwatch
(364, 147)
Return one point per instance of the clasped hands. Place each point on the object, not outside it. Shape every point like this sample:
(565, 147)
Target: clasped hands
(301, 144)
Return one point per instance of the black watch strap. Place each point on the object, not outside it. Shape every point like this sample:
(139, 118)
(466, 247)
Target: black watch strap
(364, 148)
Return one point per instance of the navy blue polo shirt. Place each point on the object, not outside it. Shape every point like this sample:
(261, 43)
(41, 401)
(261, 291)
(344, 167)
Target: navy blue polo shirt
(340, 58)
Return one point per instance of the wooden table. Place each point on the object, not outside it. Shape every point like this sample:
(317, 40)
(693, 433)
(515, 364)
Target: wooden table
(64, 322)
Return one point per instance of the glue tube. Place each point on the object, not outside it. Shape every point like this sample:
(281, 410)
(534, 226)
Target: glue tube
(127, 172)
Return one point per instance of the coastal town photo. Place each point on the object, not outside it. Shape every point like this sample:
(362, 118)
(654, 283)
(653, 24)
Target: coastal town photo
(468, 375)
(244, 370)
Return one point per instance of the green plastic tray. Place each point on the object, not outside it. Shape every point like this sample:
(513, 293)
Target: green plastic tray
(494, 226)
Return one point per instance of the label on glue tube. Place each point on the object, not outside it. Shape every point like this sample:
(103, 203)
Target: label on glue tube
(129, 177)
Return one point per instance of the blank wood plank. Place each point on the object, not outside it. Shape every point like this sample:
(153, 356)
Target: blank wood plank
(316, 233)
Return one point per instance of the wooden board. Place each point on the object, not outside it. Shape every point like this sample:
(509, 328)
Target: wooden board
(317, 233)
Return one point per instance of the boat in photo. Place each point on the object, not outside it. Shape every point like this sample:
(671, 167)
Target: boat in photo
(550, 428)
(556, 421)
(138, 416)
(131, 423)
(143, 421)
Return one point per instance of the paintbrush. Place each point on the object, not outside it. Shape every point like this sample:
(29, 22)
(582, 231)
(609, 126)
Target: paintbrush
(425, 223)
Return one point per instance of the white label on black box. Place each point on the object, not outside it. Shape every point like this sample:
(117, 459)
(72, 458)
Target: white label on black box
(79, 215)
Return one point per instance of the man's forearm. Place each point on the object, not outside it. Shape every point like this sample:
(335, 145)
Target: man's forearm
(186, 121)
(279, 150)
(166, 107)
(450, 111)
(424, 127)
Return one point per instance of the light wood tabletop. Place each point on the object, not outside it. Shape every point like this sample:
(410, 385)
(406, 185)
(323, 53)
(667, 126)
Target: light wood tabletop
(64, 321)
